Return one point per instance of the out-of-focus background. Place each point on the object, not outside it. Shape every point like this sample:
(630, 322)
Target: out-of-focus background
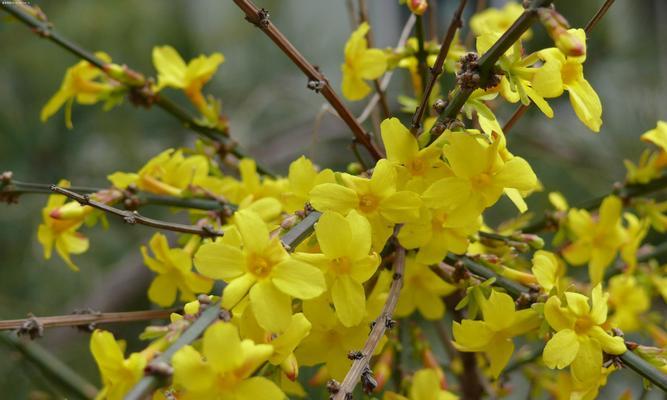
(273, 116)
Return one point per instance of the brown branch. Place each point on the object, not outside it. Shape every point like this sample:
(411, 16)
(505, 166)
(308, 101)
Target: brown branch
(436, 70)
(598, 15)
(381, 324)
(85, 319)
(521, 110)
(316, 80)
(133, 217)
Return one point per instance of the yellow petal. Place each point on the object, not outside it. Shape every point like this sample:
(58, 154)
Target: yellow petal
(401, 207)
(219, 261)
(190, 371)
(334, 235)
(258, 388)
(471, 335)
(587, 365)
(349, 300)
(225, 336)
(298, 279)
(170, 66)
(371, 64)
(162, 291)
(400, 144)
(561, 349)
(499, 354)
(253, 230)
(235, 290)
(272, 307)
(333, 197)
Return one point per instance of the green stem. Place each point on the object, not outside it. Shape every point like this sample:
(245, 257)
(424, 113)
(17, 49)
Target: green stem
(488, 60)
(46, 30)
(51, 367)
(645, 369)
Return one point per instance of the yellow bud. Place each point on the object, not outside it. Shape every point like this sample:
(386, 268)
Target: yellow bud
(123, 74)
(522, 277)
(71, 210)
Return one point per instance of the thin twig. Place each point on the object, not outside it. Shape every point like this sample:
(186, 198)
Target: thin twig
(316, 80)
(381, 324)
(521, 110)
(46, 30)
(150, 382)
(598, 15)
(487, 61)
(86, 319)
(405, 34)
(51, 366)
(645, 369)
(15, 188)
(436, 70)
(133, 217)
(421, 54)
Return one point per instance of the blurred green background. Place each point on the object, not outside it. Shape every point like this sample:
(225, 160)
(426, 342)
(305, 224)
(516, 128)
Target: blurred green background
(272, 115)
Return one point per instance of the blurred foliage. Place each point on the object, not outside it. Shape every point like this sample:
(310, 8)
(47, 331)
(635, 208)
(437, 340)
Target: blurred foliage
(272, 115)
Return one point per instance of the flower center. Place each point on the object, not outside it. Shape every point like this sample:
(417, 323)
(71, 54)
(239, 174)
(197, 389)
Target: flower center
(259, 266)
(583, 325)
(438, 221)
(481, 180)
(417, 166)
(569, 73)
(368, 203)
(341, 266)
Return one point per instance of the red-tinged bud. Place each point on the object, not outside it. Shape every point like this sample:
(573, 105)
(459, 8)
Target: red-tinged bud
(382, 368)
(320, 378)
(418, 7)
(290, 367)
(534, 241)
(69, 211)
(557, 28)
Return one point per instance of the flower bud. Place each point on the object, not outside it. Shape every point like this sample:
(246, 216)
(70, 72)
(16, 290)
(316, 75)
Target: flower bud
(557, 28)
(290, 367)
(418, 7)
(519, 276)
(123, 74)
(71, 210)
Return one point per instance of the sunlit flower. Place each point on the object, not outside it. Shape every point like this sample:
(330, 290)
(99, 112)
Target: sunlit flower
(119, 374)
(361, 63)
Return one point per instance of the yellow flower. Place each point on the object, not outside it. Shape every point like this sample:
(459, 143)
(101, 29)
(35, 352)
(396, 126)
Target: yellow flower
(516, 83)
(224, 368)
(174, 269)
(167, 173)
(657, 136)
(257, 264)
(441, 227)
(635, 233)
(329, 340)
(376, 198)
(191, 77)
(629, 300)
(548, 270)
(561, 72)
(119, 375)
(361, 63)
(84, 82)
(494, 20)
(481, 175)
(425, 386)
(345, 243)
(302, 178)
(579, 339)
(62, 232)
(283, 344)
(595, 242)
(422, 290)
(419, 167)
(477, 103)
(494, 334)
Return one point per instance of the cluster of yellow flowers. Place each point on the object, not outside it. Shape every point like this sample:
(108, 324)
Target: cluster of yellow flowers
(310, 305)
